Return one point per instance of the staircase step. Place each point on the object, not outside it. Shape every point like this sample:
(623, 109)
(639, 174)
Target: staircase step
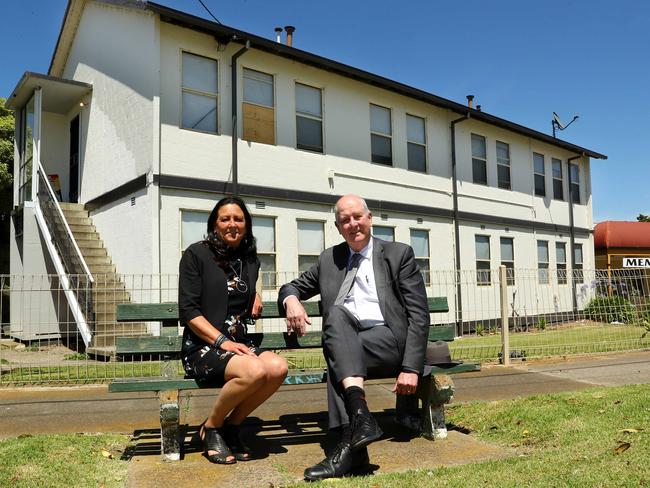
(81, 228)
(94, 252)
(107, 282)
(101, 268)
(72, 206)
(121, 329)
(102, 340)
(72, 214)
(85, 235)
(113, 293)
(89, 244)
(79, 220)
(96, 260)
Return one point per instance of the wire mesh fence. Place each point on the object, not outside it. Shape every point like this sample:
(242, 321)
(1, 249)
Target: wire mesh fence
(549, 313)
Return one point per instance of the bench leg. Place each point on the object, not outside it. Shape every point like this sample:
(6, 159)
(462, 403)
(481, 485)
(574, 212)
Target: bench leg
(436, 393)
(170, 447)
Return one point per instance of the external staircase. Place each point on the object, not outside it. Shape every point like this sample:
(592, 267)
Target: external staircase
(108, 287)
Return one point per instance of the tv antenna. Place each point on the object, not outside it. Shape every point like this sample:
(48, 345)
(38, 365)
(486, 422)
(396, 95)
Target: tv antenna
(556, 123)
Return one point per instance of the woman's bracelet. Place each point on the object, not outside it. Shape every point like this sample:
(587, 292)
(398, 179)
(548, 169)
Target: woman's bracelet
(219, 341)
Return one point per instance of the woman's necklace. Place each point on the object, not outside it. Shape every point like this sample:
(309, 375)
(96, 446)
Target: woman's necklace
(240, 284)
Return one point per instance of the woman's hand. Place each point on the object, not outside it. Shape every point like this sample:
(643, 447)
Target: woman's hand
(237, 347)
(258, 306)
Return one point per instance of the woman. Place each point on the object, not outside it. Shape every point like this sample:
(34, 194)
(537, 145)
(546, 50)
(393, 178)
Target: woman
(217, 301)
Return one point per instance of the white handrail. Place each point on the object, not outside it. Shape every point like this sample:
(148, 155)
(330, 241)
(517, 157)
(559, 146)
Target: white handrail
(65, 222)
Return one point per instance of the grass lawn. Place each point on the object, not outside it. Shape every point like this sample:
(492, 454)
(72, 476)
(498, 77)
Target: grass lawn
(63, 460)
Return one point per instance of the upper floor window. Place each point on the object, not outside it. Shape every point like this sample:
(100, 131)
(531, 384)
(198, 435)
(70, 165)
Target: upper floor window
(264, 232)
(309, 118)
(574, 174)
(482, 247)
(420, 245)
(503, 165)
(416, 143)
(200, 93)
(542, 262)
(479, 160)
(258, 107)
(508, 258)
(558, 183)
(560, 262)
(540, 174)
(311, 242)
(383, 233)
(381, 135)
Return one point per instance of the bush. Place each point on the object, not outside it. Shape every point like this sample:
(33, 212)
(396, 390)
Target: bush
(610, 309)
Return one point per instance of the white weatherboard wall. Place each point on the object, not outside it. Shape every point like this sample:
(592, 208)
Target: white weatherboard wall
(116, 50)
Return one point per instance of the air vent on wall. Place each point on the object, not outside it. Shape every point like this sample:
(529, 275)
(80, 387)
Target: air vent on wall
(132, 201)
(420, 220)
(259, 205)
(384, 217)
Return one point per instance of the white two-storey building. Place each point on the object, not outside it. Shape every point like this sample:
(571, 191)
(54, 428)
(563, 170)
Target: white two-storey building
(148, 115)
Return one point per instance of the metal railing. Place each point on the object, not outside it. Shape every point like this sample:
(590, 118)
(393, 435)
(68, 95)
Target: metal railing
(41, 343)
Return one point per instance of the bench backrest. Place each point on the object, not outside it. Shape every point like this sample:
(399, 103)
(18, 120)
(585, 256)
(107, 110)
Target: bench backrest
(170, 342)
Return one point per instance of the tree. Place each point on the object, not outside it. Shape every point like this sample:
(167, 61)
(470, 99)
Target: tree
(643, 218)
(6, 181)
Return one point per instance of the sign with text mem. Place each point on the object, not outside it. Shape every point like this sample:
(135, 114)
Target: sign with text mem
(641, 262)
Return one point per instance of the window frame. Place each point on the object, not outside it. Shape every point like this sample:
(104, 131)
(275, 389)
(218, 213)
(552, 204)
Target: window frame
(483, 276)
(426, 273)
(389, 137)
(193, 91)
(374, 227)
(578, 269)
(272, 276)
(479, 159)
(182, 210)
(574, 187)
(245, 102)
(424, 145)
(543, 267)
(536, 174)
(555, 179)
(509, 264)
(500, 165)
(300, 254)
(561, 266)
(305, 115)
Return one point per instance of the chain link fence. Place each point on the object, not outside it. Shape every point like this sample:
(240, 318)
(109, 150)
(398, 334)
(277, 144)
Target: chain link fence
(549, 312)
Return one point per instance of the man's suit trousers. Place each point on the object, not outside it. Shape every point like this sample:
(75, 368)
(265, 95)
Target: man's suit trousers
(350, 351)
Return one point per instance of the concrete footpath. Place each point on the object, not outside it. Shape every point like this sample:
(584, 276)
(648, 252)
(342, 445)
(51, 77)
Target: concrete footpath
(289, 428)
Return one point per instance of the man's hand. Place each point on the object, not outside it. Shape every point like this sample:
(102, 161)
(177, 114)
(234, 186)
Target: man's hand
(406, 384)
(258, 306)
(296, 316)
(237, 347)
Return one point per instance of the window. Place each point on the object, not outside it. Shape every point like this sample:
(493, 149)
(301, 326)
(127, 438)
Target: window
(380, 135)
(542, 262)
(384, 233)
(508, 258)
(199, 93)
(27, 153)
(309, 118)
(258, 107)
(311, 242)
(560, 260)
(264, 232)
(578, 275)
(482, 246)
(540, 174)
(558, 187)
(193, 227)
(416, 144)
(420, 245)
(479, 160)
(503, 165)
(574, 175)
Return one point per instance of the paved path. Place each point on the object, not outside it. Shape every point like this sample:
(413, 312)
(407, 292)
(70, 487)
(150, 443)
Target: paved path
(290, 426)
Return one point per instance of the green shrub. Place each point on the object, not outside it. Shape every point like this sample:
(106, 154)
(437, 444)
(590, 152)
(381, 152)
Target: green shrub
(610, 309)
(541, 323)
(479, 329)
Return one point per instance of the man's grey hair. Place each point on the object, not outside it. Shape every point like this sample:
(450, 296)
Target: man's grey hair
(336, 207)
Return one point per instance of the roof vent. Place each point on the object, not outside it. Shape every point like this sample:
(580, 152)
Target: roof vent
(470, 100)
(289, 29)
(278, 34)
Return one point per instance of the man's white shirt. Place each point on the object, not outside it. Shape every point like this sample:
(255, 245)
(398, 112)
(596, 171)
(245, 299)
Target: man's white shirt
(364, 302)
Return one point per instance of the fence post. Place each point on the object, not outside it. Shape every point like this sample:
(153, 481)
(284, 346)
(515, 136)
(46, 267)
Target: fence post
(505, 341)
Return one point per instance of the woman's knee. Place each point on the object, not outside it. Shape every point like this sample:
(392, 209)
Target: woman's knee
(276, 367)
(254, 372)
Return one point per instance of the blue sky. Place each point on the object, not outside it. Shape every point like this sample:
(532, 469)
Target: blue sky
(521, 59)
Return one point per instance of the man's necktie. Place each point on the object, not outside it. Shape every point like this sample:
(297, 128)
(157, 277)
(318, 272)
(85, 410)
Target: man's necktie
(346, 286)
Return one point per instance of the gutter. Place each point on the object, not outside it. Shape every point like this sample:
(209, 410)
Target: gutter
(572, 233)
(234, 104)
(454, 180)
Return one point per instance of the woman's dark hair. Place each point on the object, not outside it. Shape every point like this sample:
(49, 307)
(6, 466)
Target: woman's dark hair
(223, 253)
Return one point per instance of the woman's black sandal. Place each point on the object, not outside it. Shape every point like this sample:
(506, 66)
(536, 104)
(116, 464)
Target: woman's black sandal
(213, 441)
(240, 450)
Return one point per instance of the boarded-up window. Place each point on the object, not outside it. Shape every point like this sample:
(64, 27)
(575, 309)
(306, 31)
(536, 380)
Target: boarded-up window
(258, 107)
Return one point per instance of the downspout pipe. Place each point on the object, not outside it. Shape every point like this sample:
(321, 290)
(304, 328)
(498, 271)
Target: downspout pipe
(233, 98)
(572, 233)
(454, 181)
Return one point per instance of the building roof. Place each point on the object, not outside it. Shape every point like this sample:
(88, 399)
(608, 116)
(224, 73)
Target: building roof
(611, 234)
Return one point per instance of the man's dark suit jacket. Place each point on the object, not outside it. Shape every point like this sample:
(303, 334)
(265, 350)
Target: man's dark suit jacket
(400, 289)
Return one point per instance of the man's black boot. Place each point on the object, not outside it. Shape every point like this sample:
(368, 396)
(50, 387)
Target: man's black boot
(337, 464)
(364, 429)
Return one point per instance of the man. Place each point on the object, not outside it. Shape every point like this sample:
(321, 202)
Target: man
(375, 321)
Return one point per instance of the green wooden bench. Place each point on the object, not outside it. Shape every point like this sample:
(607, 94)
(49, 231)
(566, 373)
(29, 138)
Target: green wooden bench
(434, 391)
